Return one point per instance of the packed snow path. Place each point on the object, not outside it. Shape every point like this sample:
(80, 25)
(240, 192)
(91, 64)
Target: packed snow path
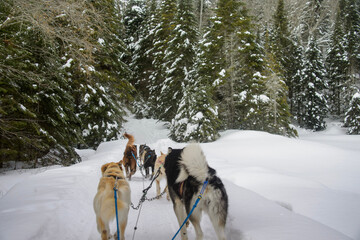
(279, 188)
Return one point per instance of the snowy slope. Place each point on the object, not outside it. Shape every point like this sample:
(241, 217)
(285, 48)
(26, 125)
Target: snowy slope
(279, 188)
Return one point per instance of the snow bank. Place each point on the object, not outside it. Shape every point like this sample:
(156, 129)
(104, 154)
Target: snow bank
(279, 189)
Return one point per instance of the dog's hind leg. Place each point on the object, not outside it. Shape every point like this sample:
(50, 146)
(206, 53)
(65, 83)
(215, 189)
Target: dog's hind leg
(181, 215)
(157, 187)
(122, 227)
(195, 220)
(218, 224)
(167, 193)
(102, 228)
(152, 172)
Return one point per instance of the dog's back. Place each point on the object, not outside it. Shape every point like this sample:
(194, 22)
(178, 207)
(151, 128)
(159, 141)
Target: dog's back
(104, 200)
(130, 155)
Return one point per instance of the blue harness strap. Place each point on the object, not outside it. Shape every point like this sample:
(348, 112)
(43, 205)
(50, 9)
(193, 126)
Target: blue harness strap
(135, 159)
(191, 211)
(116, 210)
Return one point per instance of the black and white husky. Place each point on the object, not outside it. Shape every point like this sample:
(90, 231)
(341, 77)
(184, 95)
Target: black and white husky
(186, 171)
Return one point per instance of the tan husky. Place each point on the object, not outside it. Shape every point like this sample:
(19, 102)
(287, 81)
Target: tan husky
(104, 201)
(160, 161)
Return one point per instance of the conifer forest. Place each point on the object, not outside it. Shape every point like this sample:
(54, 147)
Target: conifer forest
(70, 70)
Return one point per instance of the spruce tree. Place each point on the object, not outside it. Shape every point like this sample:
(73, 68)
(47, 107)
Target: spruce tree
(337, 65)
(196, 118)
(39, 124)
(179, 60)
(134, 24)
(105, 83)
(314, 108)
(352, 116)
(220, 59)
(162, 36)
(287, 53)
(142, 60)
(277, 118)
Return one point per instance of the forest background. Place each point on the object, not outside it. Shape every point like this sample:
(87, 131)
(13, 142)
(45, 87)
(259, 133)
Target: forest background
(69, 70)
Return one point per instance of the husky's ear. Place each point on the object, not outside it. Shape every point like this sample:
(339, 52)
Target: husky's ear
(169, 150)
(104, 167)
(121, 165)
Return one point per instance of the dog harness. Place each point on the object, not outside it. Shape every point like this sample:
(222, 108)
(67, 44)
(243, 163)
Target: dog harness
(181, 189)
(114, 176)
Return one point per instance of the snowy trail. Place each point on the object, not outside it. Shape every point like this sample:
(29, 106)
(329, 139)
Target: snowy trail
(317, 181)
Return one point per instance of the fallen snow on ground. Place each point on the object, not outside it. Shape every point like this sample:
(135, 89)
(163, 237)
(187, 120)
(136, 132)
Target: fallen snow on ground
(279, 189)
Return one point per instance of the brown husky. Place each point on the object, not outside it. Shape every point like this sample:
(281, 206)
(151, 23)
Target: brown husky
(130, 155)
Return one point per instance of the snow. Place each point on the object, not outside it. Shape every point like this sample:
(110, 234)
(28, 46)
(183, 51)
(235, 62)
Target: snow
(67, 64)
(222, 72)
(279, 189)
(356, 95)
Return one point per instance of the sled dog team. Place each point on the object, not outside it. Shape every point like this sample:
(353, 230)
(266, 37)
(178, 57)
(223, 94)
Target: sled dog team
(185, 169)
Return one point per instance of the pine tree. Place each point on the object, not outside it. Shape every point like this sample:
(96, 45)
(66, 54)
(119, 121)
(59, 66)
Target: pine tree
(314, 107)
(287, 53)
(352, 32)
(134, 21)
(220, 58)
(142, 60)
(196, 118)
(38, 122)
(162, 33)
(104, 84)
(252, 100)
(352, 116)
(277, 120)
(179, 60)
(337, 65)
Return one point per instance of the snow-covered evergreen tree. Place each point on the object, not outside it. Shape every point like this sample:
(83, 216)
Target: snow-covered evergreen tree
(287, 52)
(227, 51)
(196, 118)
(337, 65)
(37, 111)
(142, 60)
(352, 116)
(314, 108)
(104, 85)
(162, 36)
(277, 119)
(179, 59)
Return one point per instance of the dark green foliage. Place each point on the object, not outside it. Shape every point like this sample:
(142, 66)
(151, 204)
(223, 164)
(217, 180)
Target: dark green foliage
(162, 36)
(61, 80)
(278, 114)
(314, 104)
(36, 109)
(337, 66)
(352, 119)
(287, 53)
(179, 60)
(142, 59)
(196, 119)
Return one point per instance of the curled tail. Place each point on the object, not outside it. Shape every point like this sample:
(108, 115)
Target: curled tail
(130, 137)
(193, 163)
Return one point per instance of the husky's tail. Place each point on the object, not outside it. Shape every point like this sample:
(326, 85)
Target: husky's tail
(130, 137)
(193, 163)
